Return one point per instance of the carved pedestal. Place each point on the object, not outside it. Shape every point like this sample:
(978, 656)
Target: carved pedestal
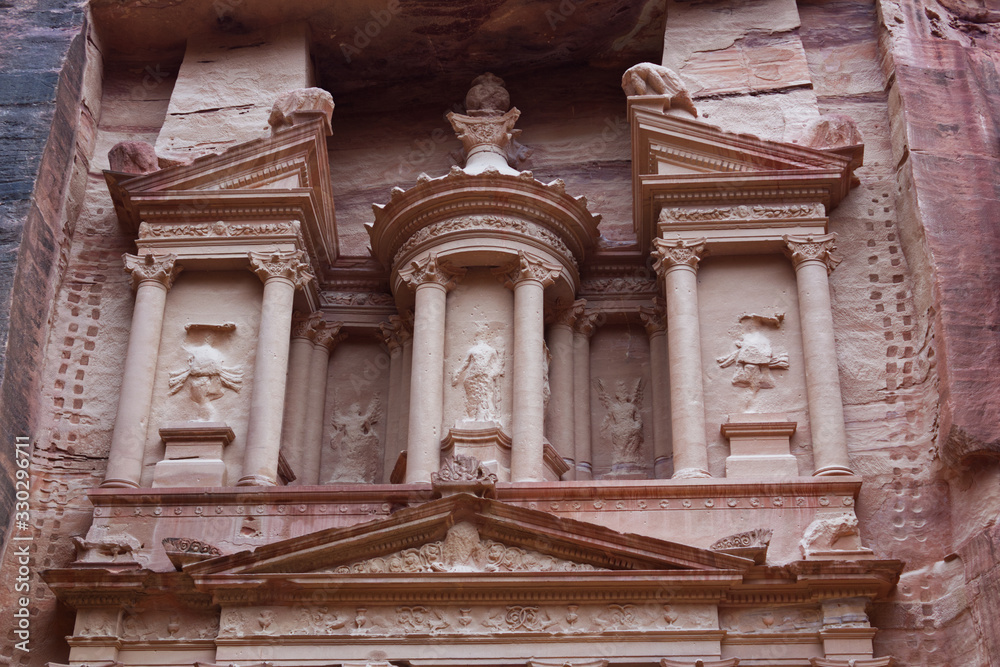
(488, 443)
(759, 447)
(194, 454)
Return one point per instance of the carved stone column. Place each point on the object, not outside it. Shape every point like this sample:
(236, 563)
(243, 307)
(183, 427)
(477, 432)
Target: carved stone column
(583, 329)
(677, 263)
(391, 334)
(656, 328)
(431, 282)
(282, 273)
(529, 278)
(327, 337)
(814, 260)
(152, 276)
(293, 426)
(560, 428)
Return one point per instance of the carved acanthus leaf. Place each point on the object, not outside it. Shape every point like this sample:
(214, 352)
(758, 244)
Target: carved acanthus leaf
(287, 264)
(678, 252)
(813, 248)
(328, 334)
(566, 314)
(430, 270)
(528, 267)
(149, 266)
(654, 318)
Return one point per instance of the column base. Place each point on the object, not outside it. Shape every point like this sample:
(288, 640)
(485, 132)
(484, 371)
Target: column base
(193, 456)
(256, 480)
(830, 471)
(584, 471)
(119, 484)
(759, 445)
(691, 473)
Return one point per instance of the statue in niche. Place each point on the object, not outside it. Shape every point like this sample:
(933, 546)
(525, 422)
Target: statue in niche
(206, 377)
(623, 423)
(754, 355)
(480, 375)
(357, 443)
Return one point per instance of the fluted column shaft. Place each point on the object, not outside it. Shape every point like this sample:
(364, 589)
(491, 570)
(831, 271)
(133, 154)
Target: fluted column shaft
(431, 282)
(327, 337)
(282, 273)
(152, 276)
(529, 278)
(583, 329)
(656, 329)
(560, 424)
(814, 260)
(677, 264)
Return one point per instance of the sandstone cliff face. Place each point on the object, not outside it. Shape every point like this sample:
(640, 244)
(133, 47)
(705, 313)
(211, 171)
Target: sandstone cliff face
(915, 299)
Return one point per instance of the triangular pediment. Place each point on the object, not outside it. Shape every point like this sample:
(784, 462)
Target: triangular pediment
(282, 177)
(679, 162)
(466, 534)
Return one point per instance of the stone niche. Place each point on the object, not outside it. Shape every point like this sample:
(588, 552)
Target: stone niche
(751, 345)
(621, 403)
(356, 414)
(205, 367)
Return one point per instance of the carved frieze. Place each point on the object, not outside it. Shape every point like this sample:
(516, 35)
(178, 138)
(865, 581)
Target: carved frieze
(357, 298)
(184, 550)
(217, 229)
(743, 212)
(631, 285)
(423, 619)
(486, 223)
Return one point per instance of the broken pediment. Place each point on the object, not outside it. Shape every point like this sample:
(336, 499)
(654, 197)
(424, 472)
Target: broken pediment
(689, 176)
(281, 179)
(465, 533)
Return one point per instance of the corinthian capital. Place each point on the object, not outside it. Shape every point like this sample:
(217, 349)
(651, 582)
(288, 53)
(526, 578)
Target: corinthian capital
(288, 264)
(678, 252)
(566, 314)
(430, 270)
(654, 318)
(304, 325)
(528, 267)
(159, 268)
(816, 248)
(587, 323)
(328, 334)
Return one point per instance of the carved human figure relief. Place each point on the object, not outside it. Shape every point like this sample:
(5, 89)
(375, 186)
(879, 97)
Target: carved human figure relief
(206, 376)
(623, 422)
(479, 376)
(755, 355)
(356, 442)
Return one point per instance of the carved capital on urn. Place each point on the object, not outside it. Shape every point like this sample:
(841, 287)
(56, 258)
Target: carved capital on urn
(328, 334)
(305, 325)
(494, 133)
(528, 267)
(654, 318)
(151, 267)
(677, 253)
(801, 249)
(286, 264)
(431, 271)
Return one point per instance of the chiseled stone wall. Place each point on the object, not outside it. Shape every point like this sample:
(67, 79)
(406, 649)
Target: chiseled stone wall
(915, 298)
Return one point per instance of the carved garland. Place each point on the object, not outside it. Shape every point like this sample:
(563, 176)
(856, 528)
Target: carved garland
(485, 223)
(746, 212)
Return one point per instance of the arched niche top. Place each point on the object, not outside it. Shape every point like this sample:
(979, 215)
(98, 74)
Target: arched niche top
(480, 220)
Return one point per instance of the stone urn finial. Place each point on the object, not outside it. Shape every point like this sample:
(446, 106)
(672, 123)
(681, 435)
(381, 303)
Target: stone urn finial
(486, 130)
